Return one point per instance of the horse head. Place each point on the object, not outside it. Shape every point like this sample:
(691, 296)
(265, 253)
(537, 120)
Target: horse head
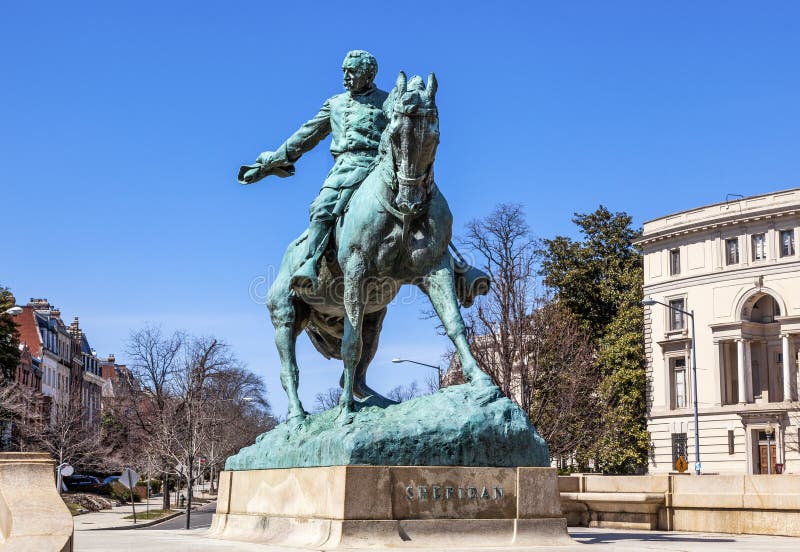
(414, 135)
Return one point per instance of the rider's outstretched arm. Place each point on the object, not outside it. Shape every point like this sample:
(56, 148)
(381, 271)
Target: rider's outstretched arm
(306, 137)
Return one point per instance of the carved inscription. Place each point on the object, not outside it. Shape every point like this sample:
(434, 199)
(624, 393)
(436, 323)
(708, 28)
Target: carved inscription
(439, 492)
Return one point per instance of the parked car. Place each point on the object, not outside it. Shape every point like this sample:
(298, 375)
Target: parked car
(108, 480)
(105, 485)
(82, 483)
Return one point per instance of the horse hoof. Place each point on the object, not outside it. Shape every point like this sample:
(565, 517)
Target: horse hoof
(375, 400)
(344, 418)
(296, 421)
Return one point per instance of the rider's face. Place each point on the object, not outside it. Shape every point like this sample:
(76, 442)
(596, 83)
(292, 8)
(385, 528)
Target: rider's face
(354, 79)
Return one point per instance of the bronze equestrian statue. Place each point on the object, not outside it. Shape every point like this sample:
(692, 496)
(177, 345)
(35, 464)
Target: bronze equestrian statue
(379, 222)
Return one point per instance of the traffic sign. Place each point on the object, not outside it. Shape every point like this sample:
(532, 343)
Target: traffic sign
(129, 478)
(681, 464)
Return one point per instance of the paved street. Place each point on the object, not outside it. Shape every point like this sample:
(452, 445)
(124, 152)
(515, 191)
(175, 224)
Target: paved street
(170, 536)
(200, 519)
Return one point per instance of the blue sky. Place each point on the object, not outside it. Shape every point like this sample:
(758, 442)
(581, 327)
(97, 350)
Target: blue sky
(124, 123)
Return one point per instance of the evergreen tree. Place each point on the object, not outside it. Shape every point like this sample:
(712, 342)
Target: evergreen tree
(9, 338)
(589, 276)
(599, 279)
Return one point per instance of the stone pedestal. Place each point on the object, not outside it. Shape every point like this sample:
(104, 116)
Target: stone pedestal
(32, 514)
(357, 507)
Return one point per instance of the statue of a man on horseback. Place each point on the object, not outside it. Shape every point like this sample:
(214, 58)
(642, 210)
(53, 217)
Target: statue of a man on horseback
(396, 231)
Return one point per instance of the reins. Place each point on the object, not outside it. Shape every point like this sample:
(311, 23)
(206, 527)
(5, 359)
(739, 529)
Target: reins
(407, 218)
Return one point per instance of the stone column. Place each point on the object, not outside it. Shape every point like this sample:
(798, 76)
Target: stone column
(720, 374)
(741, 372)
(748, 370)
(787, 368)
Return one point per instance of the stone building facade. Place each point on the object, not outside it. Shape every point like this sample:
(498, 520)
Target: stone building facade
(736, 265)
(70, 372)
(41, 329)
(32, 404)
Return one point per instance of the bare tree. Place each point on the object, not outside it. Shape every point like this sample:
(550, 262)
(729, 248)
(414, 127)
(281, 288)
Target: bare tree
(236, 400)
(504, 241)
(328, 399)
(559, 373)
(207, 377)
(403, 393)
(147, 410)
(531, 346)
(65, 435)
(191, 402)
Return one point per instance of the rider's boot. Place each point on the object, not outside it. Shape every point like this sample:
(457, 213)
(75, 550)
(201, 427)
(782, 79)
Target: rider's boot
(306, 278)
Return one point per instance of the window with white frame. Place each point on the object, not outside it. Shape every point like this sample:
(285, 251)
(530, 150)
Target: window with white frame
(787, 243)
(732, 251)
(679, 382)
(674, 262)
(759, 247)
(677, 320)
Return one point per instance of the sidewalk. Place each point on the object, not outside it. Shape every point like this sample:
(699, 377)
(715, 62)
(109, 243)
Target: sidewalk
(114, 517)
(586, 540)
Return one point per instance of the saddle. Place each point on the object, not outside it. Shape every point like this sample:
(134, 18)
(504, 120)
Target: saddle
(470, 282)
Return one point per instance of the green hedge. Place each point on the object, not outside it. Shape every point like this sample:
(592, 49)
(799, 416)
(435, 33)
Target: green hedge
(120, 492)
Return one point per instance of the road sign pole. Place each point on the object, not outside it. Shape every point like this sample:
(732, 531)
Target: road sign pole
(129, 479)
(133, 505)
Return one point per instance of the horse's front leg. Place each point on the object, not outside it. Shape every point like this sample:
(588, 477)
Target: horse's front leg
(354, 297)
(440, 287)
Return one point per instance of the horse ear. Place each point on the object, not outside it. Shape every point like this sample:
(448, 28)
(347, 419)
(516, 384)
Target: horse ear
(430, 89)
(401, 83)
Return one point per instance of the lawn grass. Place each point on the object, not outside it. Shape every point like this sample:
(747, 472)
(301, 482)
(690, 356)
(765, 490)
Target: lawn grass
(153, 514)
(74, 509)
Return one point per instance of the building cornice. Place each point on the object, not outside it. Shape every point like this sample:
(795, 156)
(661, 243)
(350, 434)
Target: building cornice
(710, 217)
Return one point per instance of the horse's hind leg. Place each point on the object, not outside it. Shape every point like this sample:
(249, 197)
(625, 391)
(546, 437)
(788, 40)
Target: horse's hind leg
(288, 318)
(370, 334)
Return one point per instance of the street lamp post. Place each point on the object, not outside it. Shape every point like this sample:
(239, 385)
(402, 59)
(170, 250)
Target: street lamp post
(437, 368)
(13, 311)
(649, 301)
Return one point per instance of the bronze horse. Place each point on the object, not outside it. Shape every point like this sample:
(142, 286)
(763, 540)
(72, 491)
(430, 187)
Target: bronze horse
(395, 231)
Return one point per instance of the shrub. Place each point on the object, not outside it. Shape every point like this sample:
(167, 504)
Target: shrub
(120, 492)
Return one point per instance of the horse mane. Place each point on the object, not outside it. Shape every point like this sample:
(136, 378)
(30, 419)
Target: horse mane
(384, 149)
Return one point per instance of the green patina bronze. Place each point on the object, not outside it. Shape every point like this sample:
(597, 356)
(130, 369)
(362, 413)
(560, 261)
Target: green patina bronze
(379, 222)
(461, 425)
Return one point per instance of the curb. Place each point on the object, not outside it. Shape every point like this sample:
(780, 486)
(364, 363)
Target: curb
(138, 525)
